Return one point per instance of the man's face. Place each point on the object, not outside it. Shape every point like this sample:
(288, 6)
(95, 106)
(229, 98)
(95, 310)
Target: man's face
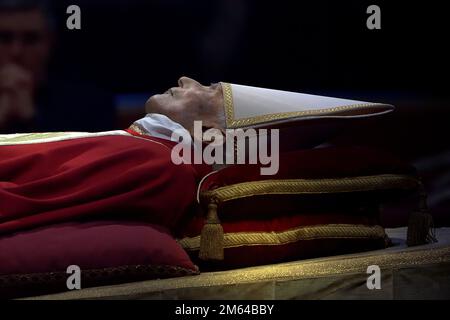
(25, 40)
(190, 101)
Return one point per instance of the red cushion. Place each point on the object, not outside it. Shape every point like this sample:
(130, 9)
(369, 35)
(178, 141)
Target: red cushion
(282, 222)
(383, 177)
(247, 256)
(332, 193)
(317, 235)
(319, 163)
(35, 261)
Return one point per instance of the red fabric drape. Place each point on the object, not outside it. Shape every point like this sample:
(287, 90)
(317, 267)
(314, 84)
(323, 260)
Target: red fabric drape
(115, 175)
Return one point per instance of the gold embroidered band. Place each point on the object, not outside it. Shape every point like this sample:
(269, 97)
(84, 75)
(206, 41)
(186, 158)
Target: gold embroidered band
(330, 231)
(311, 186)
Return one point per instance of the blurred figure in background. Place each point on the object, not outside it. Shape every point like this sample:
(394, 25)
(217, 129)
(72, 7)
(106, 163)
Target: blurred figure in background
(31, 98)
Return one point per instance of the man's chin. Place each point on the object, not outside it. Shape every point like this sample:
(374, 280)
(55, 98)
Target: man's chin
(151, 106)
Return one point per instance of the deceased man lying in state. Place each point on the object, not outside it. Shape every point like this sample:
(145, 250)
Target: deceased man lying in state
(47, 177)
(54, 176)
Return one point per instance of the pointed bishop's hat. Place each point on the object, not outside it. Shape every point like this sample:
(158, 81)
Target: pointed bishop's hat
(309, 119)
(247, 106)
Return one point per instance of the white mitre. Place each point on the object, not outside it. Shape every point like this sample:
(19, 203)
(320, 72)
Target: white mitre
(247, 106)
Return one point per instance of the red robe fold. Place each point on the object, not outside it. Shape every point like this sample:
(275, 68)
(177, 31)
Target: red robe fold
(115, 175)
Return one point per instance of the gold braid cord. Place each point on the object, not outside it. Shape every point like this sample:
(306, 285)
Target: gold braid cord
(311, 186)
(354, 109)
(331, 231)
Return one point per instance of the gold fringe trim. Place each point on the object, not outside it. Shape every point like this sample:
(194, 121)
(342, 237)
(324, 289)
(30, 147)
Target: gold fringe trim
(211, 238)
(311, 186)
(354, 109)
(331, 231)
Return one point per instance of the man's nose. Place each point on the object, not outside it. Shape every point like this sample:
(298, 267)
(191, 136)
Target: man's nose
(185, 82)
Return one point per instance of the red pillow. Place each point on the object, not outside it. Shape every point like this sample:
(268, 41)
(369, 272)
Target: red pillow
(35, 261)
(284, 237)
(319, 163)
(307, 179)
(341, 188)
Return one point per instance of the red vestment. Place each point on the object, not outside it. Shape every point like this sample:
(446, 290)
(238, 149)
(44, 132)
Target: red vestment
(117, 175)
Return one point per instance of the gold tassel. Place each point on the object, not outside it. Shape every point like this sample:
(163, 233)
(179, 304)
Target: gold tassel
(420, 225)
(211, 238)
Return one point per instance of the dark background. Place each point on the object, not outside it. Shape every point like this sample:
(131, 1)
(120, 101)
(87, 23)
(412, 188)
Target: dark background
(318, 46)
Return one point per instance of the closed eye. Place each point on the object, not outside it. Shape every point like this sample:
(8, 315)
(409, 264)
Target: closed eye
(214, 85)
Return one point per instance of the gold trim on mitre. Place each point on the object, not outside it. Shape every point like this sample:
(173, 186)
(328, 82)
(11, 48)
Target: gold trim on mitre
(311, 186)
(345, 110)
(329, 231)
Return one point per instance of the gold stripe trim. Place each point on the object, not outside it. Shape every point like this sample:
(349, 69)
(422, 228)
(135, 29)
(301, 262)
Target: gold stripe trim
(331, 231)
(12, 138)
(354, 109)
(47, 137)
(228, 104)
(311, 186)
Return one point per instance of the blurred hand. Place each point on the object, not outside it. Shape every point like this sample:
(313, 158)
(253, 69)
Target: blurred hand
(16, 95)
